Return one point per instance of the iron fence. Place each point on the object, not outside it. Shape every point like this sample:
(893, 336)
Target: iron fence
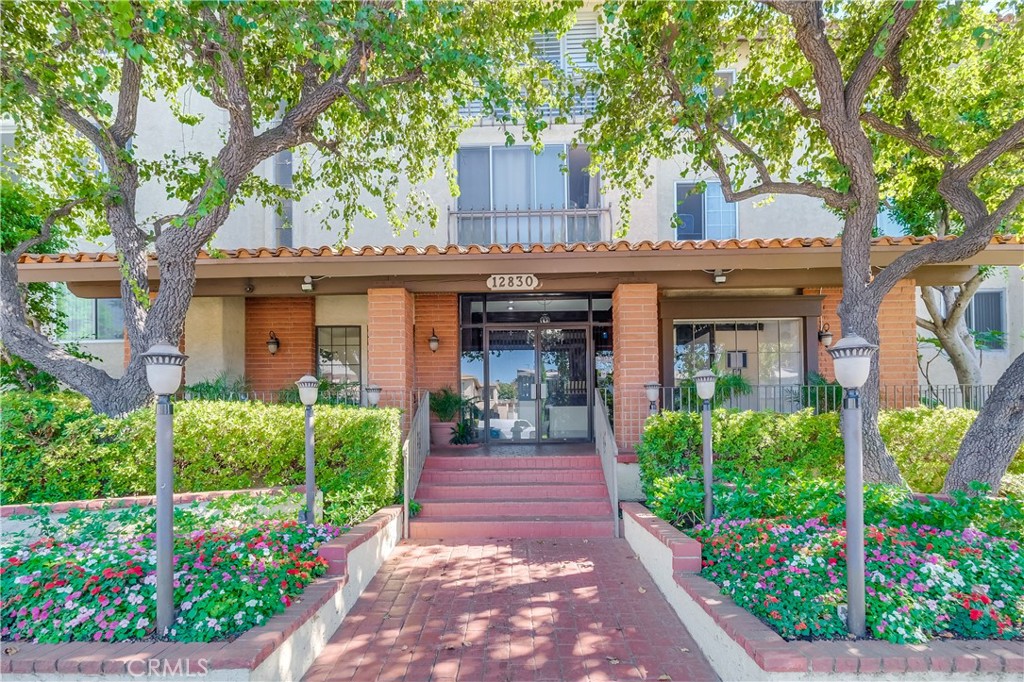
(608, 451)
(415, 449)
(530, 226)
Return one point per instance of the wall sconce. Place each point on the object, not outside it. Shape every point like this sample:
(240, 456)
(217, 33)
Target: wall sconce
(433, 341)
(825, 336)
(719, 277)
(307, 284)
(273, 343)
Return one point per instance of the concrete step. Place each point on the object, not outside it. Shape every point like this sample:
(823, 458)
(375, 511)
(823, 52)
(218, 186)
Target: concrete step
(435, 462)
(510, 491)
(456, 509)
(499, 476)
(484, 527)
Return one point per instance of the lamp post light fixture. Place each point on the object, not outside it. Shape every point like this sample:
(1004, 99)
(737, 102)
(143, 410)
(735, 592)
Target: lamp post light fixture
(704, 380)
(163, 371)
(851, 359)
(653, 389)
(433, 341)
(373, 392)
(309, 387)
(273, 344)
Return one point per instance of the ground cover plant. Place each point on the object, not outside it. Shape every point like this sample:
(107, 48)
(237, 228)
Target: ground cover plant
(91, 576)
(56, 448)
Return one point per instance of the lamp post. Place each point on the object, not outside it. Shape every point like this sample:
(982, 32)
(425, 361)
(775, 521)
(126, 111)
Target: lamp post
(309, 386)
(653, 388)
(705, 382)
(851, 358)
(163, 371)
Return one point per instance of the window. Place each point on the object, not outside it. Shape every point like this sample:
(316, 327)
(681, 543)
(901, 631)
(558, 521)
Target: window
(985, 317)
(886, 224)
(570, 51)
(764, 352)
(518, 196)
(704, 215)
(284, 216)
(339, 359)
(91, 319)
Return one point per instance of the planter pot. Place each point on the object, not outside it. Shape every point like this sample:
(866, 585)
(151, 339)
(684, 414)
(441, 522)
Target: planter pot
(441, 432)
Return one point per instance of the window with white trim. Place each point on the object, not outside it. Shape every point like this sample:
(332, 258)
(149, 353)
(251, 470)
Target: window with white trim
(986, 317)
(703, 215)
(91, 319)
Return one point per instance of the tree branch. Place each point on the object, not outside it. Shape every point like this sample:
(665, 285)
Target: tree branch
(915, 140)
(46, 229)
(927, 325)
(1008, 141)
(870, 63)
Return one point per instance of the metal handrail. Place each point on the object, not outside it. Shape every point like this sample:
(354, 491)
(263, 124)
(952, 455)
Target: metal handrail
(529, 225)
(415, 449)
(607, 451)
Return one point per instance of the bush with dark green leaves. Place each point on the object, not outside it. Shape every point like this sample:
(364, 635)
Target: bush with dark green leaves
(55, 448)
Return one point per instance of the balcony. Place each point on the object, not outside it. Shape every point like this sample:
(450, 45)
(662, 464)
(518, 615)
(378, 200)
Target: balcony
(529, 226)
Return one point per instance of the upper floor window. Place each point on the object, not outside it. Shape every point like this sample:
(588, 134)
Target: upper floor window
(985, 316)
(568, 52)
(91, 319)
(703, 215)
(510, 194)
(284, 216)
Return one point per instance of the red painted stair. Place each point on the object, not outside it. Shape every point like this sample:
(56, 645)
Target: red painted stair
(505, 497)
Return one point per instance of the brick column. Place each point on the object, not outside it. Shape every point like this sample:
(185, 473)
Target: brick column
(439, 312)
(897, 336)
(293, 321)
(390, 354)
(635, 357)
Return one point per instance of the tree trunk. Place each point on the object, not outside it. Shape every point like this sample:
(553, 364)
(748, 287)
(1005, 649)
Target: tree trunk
(946, 306)
(995, 436)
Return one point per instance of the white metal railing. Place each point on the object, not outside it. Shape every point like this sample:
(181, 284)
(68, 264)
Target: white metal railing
(608, 451)
(415, 449)
(514, 225)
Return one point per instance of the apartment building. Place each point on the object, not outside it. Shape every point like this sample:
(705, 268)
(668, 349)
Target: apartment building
(523, 296)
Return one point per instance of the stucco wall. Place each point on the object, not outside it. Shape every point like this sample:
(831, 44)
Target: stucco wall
(215, 338)
(345, 310)
(109, 355)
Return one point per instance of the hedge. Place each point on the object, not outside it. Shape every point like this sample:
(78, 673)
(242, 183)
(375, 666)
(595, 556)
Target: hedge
(923, 441)
(55, 448)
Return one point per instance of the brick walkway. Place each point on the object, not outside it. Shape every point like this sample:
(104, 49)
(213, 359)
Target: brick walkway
(512, 610)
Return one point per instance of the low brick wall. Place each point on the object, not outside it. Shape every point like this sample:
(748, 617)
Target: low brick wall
(280, 650)
(741, 647)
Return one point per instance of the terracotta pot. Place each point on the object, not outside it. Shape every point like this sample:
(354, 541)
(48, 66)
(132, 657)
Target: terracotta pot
(441, 432)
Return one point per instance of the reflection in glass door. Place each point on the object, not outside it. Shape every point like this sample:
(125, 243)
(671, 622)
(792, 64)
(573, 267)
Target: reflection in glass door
(512, 385)
(564, 391)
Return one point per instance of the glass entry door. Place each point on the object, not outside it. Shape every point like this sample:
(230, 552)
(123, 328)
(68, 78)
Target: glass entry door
(537, 387)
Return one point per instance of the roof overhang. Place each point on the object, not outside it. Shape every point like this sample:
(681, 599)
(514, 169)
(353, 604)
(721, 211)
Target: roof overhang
(798, 262)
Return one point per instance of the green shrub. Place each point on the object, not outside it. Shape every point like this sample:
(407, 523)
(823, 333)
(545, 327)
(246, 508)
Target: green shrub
(56, 449)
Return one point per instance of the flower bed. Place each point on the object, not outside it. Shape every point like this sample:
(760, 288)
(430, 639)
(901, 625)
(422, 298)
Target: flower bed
(94, 578)
(922, 582)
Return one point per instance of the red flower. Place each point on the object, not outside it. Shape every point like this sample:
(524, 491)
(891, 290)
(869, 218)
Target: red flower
(976, 614)
(769, 562)
(800, 626)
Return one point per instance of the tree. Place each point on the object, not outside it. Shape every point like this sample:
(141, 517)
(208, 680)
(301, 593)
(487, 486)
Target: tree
(369, 91)
(826, 95)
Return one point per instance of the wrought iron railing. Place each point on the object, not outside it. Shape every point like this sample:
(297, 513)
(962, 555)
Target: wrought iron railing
(608, 451)
(415, 449)
(530, 226)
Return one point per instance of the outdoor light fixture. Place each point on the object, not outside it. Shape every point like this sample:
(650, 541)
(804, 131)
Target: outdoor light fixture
(163, 372)
(851, 359)
(433, 341)
(704, 380)
(825, 336)
(273, 344)
(719, 277)
(511, 306)
(373, 392)
(653, 388)
(307, 284)
(309, 387)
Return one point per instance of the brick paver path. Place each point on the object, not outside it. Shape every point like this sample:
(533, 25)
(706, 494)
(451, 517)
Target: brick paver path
(571, 609)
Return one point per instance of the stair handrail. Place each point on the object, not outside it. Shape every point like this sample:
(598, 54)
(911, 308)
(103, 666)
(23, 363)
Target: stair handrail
(415, 449)
(608, 452)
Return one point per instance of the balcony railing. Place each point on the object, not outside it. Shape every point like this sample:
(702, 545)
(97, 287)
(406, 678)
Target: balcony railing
(582, 107)
(530, 226)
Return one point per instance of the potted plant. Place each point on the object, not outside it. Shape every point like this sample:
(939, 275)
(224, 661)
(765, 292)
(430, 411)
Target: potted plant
(446, 405)
(462, 434)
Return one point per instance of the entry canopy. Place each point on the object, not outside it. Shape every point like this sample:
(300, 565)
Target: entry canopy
(753, 263)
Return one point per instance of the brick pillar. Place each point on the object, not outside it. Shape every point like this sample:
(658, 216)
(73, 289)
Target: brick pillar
(635, 357)
(439, 312)
(897, 335)
(390, 345)
(293, 321)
